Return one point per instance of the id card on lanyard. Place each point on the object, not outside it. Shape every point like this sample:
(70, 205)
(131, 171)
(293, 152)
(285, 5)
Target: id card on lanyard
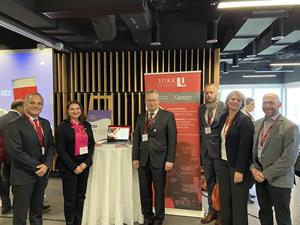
(148, 124)
(209, 119)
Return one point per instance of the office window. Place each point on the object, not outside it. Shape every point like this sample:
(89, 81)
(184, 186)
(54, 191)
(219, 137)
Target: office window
(258, 94)
(225, 92)
(293, 104)
(254, 91)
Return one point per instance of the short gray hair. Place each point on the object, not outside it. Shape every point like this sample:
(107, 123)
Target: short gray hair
(33, 94)
(152, 91)
(238, 94)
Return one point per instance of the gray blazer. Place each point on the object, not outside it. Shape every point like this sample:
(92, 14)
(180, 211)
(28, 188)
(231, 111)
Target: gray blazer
(210, 142)
(279, 154)
(161, 144)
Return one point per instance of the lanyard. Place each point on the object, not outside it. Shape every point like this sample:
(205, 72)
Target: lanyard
(263, 137)
(227, 126)
(210, 118)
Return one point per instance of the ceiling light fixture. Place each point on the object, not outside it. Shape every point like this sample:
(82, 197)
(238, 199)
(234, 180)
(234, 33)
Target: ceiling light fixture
(235, 60)
(260, 76)
(251, 49)
(212, 32)
(22, 30)
(155, 35)
(224, 67)
(278, 30)
(285, 64)
(258, 3)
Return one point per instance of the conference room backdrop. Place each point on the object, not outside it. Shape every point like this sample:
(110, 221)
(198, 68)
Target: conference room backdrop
(121, 74)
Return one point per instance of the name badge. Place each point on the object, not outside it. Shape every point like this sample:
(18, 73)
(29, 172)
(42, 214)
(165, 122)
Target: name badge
(207, 130)
(83, 150)
(43, 150)
(145, 137)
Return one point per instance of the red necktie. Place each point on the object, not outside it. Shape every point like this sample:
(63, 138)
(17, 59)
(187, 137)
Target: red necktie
(39, 131)
(150, 121)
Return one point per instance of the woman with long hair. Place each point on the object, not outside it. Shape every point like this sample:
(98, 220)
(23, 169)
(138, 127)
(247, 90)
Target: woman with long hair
(75, 147)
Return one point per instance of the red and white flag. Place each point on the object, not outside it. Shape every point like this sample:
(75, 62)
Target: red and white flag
(24, 86)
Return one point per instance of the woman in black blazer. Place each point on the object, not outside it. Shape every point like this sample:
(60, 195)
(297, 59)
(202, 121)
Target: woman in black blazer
(75, 147)
(236, 134)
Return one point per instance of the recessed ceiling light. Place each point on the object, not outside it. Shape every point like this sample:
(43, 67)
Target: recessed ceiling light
(258, 3)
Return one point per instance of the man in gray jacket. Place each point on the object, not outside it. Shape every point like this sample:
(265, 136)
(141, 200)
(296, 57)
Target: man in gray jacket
(276, 141)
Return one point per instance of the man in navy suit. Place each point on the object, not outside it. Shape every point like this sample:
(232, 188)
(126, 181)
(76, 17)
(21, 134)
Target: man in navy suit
(30, 145)
(154, 151)
(16, 110)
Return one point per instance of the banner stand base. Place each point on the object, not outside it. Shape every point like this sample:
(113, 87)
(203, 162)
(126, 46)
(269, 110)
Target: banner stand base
(185, 212)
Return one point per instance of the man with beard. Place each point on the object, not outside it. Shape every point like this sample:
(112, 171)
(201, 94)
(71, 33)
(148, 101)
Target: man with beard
(210, 113)
(275, 150)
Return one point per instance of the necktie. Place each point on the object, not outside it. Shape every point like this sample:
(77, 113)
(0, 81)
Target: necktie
(150, 120)
(39, 131)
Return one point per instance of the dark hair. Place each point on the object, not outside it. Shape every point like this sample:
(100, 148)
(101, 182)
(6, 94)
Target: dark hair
(249, 100)
(17, 103)
(82, 116)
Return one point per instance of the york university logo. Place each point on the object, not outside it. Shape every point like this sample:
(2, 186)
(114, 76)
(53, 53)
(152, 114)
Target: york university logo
(180, 82)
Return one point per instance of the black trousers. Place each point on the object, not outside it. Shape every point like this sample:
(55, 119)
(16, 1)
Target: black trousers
(74, 188)
(5, 185)
(233, 197)
(210, 167)
(28, 196)
(147, 175)
(268, 197)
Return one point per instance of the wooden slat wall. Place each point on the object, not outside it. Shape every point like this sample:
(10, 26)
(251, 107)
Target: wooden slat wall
(121, 74)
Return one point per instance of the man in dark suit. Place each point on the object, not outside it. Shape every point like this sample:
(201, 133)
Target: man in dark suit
(16, 110)
(154, 151)
(210, 113)
(30, 145)
(275, 150)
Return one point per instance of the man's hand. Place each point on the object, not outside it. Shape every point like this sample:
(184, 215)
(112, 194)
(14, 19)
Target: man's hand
(168, 166)
(238, 177)
(258, 176)
(136, 164)
(42, 169)
(78, 170)
(83, 166)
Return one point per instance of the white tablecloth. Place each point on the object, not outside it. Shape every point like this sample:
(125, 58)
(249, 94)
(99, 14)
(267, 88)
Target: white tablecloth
(112, 195)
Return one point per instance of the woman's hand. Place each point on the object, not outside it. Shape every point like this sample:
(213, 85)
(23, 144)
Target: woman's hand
(83, 166)
(238, 177)
(78, 170)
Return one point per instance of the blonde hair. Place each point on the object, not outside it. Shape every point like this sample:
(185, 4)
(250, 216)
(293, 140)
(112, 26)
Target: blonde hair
(239, 94)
